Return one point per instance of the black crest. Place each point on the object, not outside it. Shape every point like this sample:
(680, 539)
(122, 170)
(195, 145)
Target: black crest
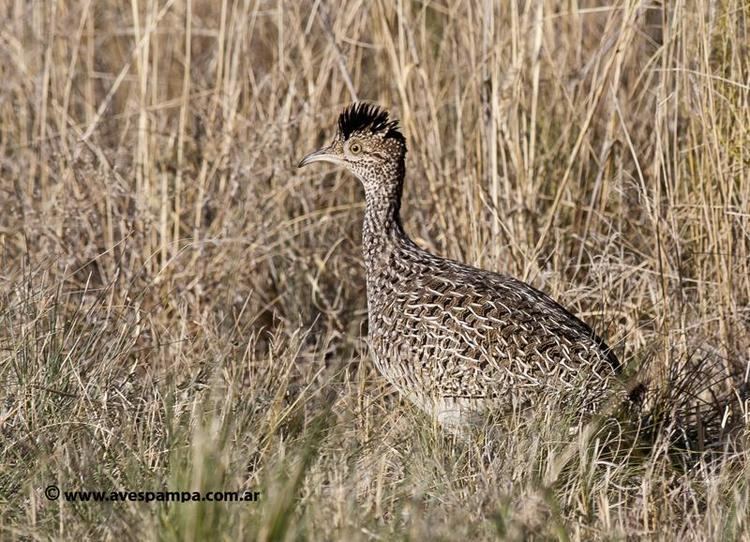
(363, 116)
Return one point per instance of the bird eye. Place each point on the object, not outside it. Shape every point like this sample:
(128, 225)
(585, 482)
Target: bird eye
(355, 148)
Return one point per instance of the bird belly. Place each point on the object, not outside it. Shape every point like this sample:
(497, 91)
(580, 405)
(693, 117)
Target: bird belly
(420, 386)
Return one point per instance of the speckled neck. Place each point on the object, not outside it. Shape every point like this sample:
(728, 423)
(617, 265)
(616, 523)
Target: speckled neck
(382, 230)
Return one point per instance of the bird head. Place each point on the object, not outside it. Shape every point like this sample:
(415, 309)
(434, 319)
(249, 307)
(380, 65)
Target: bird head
(368, 143)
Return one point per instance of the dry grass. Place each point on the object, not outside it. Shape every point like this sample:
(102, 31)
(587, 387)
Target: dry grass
(180, 308)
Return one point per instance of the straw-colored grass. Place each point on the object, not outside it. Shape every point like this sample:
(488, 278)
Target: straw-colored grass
(182, 309)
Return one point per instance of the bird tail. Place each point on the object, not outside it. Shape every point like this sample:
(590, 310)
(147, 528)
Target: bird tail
(701, 405)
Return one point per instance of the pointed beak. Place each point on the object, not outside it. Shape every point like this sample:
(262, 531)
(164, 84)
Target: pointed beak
(322, 155)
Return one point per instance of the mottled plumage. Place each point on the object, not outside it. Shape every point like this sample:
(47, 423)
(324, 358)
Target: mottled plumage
(453, 339)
